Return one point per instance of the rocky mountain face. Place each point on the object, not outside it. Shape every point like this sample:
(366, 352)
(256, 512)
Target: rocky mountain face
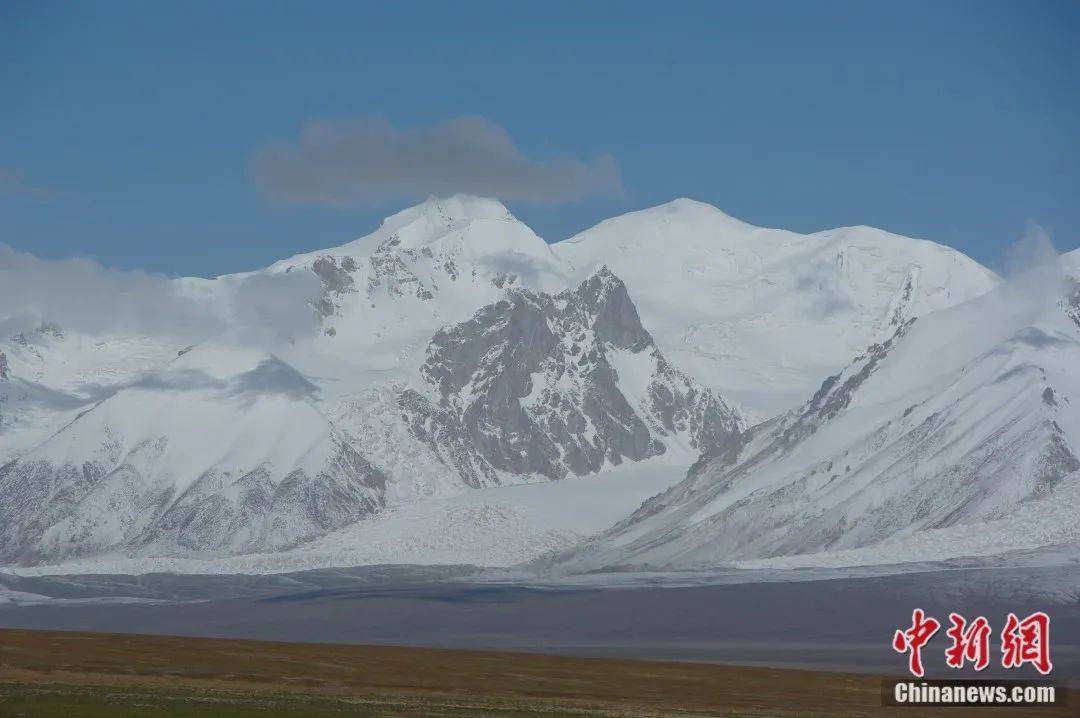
(187, 462)
(429, 265)
(931, 444)
(764, 315)
(559, 384)
(224, 450)
(1071, 303)
(51, 508)
(3, 389)
(454, 349)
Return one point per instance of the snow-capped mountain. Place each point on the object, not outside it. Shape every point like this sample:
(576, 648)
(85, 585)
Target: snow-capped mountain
(956, 436)
(361, 313)
(50, 375)
(219, 451)
(551, 385)
(425, 267)
(763, 315)
(451, 350)
(227, 451)
(760, 315)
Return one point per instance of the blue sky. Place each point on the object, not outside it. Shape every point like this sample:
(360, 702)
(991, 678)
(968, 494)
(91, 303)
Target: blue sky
(130, 132)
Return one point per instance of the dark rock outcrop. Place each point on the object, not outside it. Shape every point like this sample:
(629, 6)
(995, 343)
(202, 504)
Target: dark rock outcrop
(531, 385)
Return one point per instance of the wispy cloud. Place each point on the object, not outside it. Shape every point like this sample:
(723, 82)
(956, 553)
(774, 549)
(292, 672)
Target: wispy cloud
(1034, 250)
(821, 283)
(1033, 272)
(82, 295)
(362, 162)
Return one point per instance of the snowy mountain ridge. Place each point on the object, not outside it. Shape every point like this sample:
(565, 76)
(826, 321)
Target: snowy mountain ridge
(451, 351)
(228, 451)
(938, 440)
(763, 315)
(569, 383)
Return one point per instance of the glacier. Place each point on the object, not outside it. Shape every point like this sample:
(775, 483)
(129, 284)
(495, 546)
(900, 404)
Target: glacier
(453, 363)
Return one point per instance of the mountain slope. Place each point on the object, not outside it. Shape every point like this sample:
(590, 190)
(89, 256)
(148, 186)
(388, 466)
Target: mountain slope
(359, 315)
(424, 267)
(450, 350)
(551, 385)
(962, 419)
(51, 375)
(228, 450)
(225, 451)
(763, 315)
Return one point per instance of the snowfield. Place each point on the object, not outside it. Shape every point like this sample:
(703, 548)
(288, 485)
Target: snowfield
(955, 437)
(1048, 522)
(452, 389)
(493, 527)
(764, 315)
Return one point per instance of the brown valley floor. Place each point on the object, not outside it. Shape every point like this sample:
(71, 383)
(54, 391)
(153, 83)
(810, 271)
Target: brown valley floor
(55, 673)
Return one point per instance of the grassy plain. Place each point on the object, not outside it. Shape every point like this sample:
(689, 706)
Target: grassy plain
(55, 673)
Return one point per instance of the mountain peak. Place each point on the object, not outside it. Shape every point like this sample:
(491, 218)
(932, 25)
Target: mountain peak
(453, 211)
(688, 206)
(688, 215)
(487, 223)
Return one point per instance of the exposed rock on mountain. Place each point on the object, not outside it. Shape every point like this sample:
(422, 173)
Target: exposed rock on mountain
(454, 349)
(764, 315)
(937, 440)
(551, 385)
(190, 461)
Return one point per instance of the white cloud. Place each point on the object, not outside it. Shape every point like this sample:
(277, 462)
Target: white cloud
(82, 295)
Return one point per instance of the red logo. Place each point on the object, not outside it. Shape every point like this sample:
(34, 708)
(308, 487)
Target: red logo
(1027, 641)
(1022, 641)
(970, 642)
(913, 639)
